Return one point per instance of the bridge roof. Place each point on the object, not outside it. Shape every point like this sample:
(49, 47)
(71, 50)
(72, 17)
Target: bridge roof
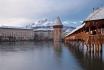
(96, 15)
(77, 28)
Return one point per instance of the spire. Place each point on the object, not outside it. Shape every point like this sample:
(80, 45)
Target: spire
(58, 21)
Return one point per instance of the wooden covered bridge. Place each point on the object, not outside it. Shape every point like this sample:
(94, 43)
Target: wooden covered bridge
(91, 31)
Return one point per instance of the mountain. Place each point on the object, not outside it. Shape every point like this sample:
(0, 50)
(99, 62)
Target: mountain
(44, 24)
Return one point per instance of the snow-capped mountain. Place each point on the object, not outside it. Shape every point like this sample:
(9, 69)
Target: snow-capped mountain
(44, 24)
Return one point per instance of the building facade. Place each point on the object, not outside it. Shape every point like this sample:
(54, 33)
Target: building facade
(43, 35)
(16, 34)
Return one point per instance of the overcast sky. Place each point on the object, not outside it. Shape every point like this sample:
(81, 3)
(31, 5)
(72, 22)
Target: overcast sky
(18, 12)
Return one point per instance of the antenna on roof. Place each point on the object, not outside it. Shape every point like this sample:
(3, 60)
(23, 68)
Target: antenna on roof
(93, 9)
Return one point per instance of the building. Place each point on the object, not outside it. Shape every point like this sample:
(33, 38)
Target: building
(57, 32)
(43, 34)
(15, 34)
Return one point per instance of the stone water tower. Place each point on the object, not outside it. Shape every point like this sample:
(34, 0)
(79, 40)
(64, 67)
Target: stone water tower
(57, 32)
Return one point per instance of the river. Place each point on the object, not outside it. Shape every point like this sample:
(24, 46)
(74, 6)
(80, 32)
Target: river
(46, 56)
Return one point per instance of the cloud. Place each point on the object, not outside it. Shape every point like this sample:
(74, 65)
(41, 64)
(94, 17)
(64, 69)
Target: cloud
(37, 8)
(23, 11)
(14, 21)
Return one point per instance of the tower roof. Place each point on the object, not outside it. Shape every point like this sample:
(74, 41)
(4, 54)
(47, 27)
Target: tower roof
(58, 21)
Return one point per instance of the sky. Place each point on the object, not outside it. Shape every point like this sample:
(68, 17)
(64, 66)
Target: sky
(19, 12)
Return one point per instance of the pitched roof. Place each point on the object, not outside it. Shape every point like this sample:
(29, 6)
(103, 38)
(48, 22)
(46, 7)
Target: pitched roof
(96, 15)
(58, 21)
(79, 27)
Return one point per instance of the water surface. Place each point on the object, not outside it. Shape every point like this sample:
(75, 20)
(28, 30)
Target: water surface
(45, 56)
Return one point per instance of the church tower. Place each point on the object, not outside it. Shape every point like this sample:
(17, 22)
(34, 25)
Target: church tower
(57, 32)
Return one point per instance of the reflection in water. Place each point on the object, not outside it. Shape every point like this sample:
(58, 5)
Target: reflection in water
(88, 60)
(58, 51)
(48, 56)
(58, 47)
